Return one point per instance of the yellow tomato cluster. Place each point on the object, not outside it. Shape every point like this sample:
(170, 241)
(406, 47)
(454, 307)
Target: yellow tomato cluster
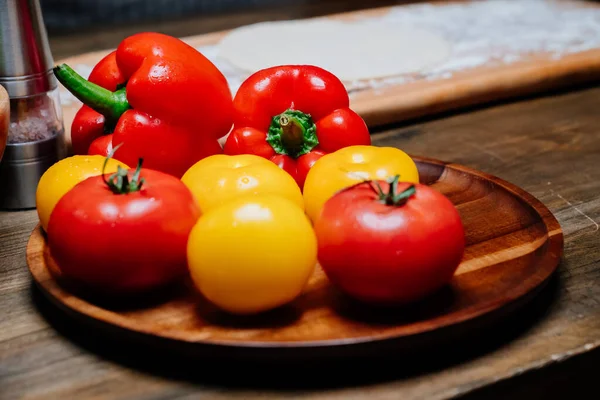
(254, 247)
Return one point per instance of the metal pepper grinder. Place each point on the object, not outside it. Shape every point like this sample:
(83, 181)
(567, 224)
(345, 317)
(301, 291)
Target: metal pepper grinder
(36, 132)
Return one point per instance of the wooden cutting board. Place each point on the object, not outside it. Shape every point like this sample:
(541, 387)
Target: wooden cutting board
(420, 95)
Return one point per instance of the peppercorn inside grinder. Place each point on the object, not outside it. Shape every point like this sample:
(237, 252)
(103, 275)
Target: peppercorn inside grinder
(36, 132)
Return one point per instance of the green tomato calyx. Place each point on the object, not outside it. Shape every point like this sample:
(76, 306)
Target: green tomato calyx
(119, 182)
(392, 197)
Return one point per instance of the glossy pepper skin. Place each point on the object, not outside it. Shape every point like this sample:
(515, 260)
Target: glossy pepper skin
(293, 115)
(158, 97)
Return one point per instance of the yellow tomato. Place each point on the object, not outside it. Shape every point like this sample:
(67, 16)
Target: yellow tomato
(252, 254)
(217, 179)
(351, 165)
(63, 176)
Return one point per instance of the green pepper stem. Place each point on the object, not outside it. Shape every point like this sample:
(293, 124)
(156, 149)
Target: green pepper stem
(292, 133)
(110, 104)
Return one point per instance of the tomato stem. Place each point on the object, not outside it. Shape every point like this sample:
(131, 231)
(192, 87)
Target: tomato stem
(119, 182)
(392, 197)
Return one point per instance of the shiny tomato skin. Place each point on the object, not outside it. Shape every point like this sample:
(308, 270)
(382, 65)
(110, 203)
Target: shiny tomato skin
(123, 243)
(219, 179)
(389, 255)
(252, 253)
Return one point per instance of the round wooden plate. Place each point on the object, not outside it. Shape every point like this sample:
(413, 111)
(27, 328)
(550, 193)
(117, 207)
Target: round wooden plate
(514, 244)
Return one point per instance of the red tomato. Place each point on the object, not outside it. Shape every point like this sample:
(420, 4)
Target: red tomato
(392, 246)
(123, 240)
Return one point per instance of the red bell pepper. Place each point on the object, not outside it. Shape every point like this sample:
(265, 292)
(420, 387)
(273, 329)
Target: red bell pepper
(158, 97)
(293, 115)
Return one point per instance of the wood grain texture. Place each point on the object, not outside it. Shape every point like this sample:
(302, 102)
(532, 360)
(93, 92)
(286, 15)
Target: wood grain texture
(513, 245)
(548, 146)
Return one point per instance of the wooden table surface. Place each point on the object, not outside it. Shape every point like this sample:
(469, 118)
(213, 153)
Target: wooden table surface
(550, 146)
